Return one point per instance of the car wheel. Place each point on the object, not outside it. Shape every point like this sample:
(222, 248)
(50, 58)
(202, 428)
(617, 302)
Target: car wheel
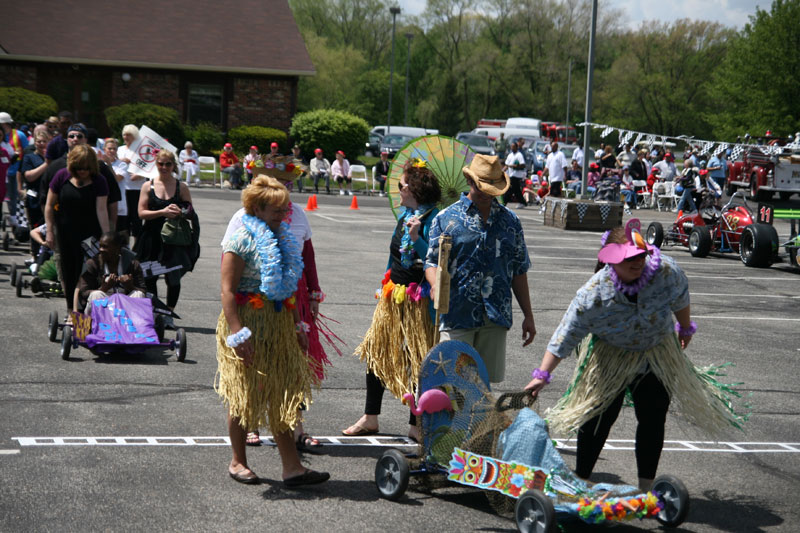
(6, 241)
(756, 245)
(673, 494)
(700, 241)
(66, 342)
(52, 326)
(730, 189)
(180, 341)
(13, 275)
(19, 285)
(655, 234)
(758, 194)
(534, 512)
(392, 474)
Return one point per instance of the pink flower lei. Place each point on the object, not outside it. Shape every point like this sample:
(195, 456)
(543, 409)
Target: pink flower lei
(631, 289)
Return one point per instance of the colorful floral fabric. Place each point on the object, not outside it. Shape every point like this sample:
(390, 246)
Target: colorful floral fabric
(483, 261)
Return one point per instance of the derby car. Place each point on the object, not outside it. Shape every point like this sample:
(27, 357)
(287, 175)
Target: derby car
(730, 229)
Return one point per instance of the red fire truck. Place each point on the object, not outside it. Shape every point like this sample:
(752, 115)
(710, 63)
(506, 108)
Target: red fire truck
(558, 132)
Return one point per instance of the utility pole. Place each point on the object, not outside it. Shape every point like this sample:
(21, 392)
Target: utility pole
(569, 89)
(394, 10)
(588, 115)
(409, 36)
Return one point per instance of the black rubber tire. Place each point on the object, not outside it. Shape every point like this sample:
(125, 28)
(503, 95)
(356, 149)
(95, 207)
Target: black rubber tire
(66, 342)
(655, 234)
(730, 189)
(756, 245)
(699, 241)
(392, 474)
(20, 283)
(758, 194)
(180, 344)
(6, 241)
(52, 326)
(785, 196)
(534, 513)
(673, 493)
(13, 274)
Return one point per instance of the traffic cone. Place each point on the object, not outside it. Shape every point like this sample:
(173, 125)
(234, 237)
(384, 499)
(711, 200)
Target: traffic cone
(354, 203)
(680, 214)
(310, 203)
(314, 197)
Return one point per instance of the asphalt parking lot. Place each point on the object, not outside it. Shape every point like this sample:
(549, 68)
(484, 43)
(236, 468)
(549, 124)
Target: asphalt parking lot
(134, 443)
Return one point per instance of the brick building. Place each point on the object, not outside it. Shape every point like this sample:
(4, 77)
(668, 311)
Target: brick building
(232, 63)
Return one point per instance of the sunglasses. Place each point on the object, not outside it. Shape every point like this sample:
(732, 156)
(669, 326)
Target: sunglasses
(634, 258)
(164, 164)
(76, 136)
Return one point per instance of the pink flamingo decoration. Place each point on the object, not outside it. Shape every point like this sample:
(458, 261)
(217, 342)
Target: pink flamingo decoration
(431, 401)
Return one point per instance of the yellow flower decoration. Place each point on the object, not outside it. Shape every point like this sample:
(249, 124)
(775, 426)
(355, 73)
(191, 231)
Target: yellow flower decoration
(419, 163)
(399, 294)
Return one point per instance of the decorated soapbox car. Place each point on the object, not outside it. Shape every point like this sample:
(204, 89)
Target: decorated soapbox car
(117, 324)
(470, 438)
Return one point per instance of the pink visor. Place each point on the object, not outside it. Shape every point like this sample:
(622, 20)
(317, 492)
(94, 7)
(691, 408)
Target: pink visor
(614, 253)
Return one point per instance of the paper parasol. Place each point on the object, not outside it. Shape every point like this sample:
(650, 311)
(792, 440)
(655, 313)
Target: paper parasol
(445, 157)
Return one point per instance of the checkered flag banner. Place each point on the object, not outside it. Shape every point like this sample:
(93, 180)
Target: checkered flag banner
(651, 140)
(582, 208)
(605, 209)
(638, 138)
(606, 131)
(563, 205)
(720, 148)
(737, 151)
(776, 149)
(706, 147)
(625, 138)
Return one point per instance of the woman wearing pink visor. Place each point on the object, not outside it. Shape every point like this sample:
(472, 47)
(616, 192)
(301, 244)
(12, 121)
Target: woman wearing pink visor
(630, 324)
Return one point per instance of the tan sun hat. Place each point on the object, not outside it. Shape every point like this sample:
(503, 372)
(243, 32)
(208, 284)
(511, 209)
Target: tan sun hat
(488, 175)
(282, 168)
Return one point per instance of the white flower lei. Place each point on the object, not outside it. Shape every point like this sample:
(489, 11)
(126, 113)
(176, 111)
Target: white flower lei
(281, 261)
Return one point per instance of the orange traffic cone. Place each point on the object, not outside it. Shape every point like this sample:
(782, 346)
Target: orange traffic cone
(310, 204)
(354, 203)
(680, 214)
(315, 201)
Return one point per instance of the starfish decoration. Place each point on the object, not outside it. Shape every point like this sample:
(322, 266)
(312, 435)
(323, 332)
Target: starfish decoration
(440, 365)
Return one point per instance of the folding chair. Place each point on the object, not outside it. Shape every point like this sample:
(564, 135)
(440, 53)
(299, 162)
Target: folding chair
(208, 160)
(359, 173)
(667, 199)
(643, 196)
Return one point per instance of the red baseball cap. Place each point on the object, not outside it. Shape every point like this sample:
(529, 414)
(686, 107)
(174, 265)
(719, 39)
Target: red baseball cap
(317, 150)
(254, 147)
(669, 155)
(703, 172)
(340, 152)
(273, 145)
(228, 145)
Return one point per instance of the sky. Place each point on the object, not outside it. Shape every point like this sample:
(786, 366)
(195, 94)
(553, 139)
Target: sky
(733, 13)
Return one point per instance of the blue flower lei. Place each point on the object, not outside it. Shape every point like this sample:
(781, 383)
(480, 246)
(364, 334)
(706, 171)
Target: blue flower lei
(281, 261)
(406, 246)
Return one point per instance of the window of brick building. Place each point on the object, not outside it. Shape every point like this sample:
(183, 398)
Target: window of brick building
(205, 102)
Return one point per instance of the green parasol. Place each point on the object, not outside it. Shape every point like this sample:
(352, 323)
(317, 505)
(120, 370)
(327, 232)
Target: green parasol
(445, 157)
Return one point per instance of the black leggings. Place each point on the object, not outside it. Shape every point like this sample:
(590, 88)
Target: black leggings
(134, 223)
(173, 291)
(651, 403)
(375, 396)
(514, 192)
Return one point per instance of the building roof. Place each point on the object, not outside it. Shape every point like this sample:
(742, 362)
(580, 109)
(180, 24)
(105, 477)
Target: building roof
(245, 36)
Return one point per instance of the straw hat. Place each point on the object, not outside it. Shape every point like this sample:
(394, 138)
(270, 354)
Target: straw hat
(488, 175)
(282, 168)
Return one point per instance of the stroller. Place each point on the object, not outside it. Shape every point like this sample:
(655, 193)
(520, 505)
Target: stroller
(470, 438)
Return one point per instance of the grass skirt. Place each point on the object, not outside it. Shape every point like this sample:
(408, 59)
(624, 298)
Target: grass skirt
(603, 371)
(320, 331)
(280, 379)
(400, 336)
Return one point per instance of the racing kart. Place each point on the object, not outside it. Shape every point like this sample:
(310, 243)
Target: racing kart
(730, 229)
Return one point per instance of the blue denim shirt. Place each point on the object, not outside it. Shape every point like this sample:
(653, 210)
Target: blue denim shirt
(483, 261)
(600, 309)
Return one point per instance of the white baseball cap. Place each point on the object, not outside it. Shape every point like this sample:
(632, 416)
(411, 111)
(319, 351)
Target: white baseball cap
(5, 118)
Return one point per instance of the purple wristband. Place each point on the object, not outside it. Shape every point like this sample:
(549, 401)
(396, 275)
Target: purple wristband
(541, 374)
(686, 332)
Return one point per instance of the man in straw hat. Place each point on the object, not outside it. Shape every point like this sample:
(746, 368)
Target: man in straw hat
(488, 261)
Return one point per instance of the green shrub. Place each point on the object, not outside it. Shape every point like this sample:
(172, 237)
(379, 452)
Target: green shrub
(330, 130)
(26, 106)
(205, 137)
(162, 120)
(243, 137)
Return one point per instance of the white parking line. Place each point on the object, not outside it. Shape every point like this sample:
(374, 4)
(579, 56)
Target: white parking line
(718, 295)
(9, 452)
(589, 274)
(397, 441)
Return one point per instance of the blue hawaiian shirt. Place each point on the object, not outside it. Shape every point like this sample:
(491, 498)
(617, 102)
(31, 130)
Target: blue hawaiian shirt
(600, 309)
(483, 261)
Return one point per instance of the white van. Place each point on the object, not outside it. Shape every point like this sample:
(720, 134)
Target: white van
(534, 125)
(404, 130)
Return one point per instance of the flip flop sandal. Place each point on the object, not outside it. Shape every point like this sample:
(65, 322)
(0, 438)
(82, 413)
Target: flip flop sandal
(310, 477)
(359, 432)
(253, 439)
(305, 441)
(242, 477)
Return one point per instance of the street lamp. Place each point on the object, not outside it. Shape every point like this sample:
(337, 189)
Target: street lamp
(409, 36)
(588, 113)
(394, 11)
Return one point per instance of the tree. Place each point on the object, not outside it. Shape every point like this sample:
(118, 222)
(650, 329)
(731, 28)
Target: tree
(26, 106)
(758, 79)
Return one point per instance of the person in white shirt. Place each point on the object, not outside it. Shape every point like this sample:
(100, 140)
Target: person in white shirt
(188, 158)
(515, 168)
(626, 157)
(340, 170)
(599, 152)
(133, 182)
(577, 156)
(666, 167)
(555, 170)
(320, 168)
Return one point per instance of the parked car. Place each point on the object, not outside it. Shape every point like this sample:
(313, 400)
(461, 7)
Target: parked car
(373, 145)
(392, 143)
(480, 144)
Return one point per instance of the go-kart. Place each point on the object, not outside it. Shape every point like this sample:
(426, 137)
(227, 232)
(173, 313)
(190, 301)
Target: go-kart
(117, 324)
(470, 438)
(731, 229)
